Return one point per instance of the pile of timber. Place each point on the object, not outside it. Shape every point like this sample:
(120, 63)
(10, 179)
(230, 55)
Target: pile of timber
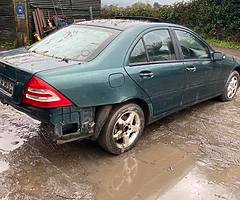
(42, 27)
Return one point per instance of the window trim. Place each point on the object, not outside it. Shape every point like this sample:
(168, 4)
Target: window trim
(155, 62)
(145, 47)
(141, 37)
(198, 38)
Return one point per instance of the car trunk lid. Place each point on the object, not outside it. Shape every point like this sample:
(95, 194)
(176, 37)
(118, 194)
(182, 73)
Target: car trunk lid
(18, 66)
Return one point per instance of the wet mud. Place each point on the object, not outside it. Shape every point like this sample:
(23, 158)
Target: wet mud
(193, 154)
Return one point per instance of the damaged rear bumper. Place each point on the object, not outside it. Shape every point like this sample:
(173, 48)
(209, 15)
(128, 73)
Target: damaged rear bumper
(67, 123)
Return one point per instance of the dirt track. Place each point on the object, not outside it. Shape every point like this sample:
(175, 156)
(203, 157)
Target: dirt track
(193, 154)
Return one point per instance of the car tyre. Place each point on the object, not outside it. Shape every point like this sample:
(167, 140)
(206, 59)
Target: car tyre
(231, 87)
(123, 128)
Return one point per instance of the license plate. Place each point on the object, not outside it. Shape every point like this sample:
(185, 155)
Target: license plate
(6, 86)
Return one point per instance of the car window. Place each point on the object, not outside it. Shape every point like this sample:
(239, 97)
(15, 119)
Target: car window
(159, 46)
(75, 42)
(138, 54)
(192, 47)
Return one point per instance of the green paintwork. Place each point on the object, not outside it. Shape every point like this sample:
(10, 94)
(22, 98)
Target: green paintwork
(109, 80)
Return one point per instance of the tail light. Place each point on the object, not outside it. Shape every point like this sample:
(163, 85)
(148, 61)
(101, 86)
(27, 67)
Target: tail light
(40, 94)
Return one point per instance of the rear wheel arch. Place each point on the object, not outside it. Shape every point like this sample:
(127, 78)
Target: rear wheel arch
(143, 105)
(102, 113)
(237, 69)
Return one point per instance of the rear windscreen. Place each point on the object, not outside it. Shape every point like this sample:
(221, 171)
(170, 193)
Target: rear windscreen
(76, 42)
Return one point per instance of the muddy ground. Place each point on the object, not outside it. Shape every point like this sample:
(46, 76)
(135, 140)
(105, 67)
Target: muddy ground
(193, 154)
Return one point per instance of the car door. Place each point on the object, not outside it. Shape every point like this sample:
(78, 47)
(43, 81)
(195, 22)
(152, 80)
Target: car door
(154, 65)
(203, 74)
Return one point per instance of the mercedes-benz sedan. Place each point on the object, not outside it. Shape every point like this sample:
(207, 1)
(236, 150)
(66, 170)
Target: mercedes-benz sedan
(105, 80)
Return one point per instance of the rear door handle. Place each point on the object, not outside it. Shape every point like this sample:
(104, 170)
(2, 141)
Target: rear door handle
(146, 74)
(191, 69)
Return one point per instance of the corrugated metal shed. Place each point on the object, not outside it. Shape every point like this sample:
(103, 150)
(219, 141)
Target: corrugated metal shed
(7, 20)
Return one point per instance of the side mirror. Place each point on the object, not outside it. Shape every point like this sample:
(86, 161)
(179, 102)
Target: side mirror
(218, 56)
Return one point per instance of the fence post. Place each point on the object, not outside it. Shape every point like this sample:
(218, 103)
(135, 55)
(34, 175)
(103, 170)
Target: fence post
(22, 22)
(91, 12)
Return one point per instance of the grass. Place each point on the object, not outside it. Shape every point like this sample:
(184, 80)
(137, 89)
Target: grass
(7, 44)
(224, 44)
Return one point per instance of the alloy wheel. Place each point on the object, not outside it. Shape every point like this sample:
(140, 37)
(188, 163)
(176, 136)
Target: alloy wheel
(232, 87)
(126, 129)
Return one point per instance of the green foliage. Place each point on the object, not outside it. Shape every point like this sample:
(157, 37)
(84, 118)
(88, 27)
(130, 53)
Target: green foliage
(218, 19)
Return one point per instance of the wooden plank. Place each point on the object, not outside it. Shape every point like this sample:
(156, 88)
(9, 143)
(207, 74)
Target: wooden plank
(39, 19)
(5, 2)
(35, 23)
(39, 24)
(43, 19)
(6, 10)
(7, 20)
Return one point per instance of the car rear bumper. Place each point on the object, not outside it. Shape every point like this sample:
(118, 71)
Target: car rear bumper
(68, 123)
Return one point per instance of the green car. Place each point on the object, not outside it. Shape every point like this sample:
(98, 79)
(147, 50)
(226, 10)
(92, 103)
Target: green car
(105, 80)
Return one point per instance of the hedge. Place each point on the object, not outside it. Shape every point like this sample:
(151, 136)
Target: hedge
(218, 19)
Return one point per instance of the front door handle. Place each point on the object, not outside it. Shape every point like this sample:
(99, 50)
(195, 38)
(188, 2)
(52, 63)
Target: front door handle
(146, 74)
(191, 69)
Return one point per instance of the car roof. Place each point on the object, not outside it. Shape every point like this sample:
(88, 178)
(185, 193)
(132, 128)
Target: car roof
(123, 24)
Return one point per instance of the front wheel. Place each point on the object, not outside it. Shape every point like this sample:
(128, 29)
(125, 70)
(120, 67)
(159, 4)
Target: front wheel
(231, 87)
(122, 129)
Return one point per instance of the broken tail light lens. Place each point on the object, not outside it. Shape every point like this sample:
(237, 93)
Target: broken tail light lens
(39, 93)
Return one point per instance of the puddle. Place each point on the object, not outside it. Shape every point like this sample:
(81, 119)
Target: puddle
(195, 185)
(4, 166)
(161, 172)
(142, 175)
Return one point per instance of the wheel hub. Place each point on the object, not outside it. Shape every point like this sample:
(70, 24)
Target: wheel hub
(126, 129)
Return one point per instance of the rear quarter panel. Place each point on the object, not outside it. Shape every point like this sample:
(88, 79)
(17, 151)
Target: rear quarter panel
(102, 81)
(92, 88)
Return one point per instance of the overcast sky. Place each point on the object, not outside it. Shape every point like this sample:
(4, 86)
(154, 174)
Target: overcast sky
(130, 2)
